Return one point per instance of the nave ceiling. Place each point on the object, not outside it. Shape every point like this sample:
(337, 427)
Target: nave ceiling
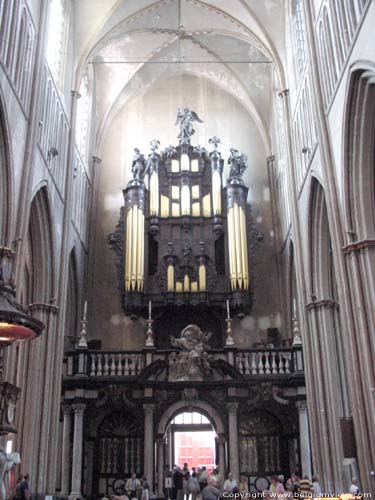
(131, 45)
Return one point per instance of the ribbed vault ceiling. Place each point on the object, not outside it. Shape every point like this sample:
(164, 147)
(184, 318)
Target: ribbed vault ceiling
(131, 44)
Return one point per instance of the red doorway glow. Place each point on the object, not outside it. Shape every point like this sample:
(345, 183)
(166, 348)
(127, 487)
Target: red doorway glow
(196, 448)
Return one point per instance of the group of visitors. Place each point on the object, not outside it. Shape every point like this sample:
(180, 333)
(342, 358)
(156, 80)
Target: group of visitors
(185, 483)
(181, 483)
(135, 489)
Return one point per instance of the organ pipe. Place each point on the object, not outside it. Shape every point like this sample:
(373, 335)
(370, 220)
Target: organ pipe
(216, 192)
(134, 258)
(170, 278)
(202, 278)
(154, 193)
(237, 245)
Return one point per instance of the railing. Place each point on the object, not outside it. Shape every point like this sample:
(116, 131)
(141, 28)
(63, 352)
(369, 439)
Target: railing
(116, 364)
(263, 363)
(267, 362)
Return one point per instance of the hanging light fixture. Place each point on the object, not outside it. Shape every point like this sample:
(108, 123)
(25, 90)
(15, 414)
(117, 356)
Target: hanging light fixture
(15, 322)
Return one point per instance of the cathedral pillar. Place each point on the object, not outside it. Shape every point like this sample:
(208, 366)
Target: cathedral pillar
(77, 450)
(304, 438)
(160, 455)
(233, 440)
(65, 465)
(222, 458)
(149, 444)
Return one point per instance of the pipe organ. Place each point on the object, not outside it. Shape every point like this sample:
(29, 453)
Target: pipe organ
(185, 238)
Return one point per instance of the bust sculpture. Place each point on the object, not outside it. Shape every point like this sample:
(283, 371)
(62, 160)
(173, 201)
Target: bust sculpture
(193, 361)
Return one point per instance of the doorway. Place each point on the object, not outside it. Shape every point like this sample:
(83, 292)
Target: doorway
(191, 439)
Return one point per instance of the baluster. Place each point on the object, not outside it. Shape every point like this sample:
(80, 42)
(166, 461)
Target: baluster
(132, 357)
(140, 363)
(126, 366)
(281, 363)
(260, 363)
(112, 366)
(253, 363)
(106, 366)
(267, 363)
(274, 365)
(247, 364)
(99, 370)
(93, 365)
(119, 365)
(287, 363)
(240, 364)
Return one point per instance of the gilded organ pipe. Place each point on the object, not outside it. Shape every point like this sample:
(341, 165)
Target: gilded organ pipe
(170, 278)
(202, 278)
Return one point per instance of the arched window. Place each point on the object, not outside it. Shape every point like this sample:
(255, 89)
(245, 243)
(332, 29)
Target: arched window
(56, 39)
(299, 36)
(83, 117)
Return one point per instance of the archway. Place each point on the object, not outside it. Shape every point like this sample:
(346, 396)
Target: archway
(192, 433)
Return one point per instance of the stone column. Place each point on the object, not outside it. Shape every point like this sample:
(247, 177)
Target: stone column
(304, 439)
(77, 450)
(222, 458)
(149, 444)
(233, 440)
(160, 465)
(65, 463)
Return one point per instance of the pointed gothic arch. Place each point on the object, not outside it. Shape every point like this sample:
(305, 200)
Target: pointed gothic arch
(359, 151)
(41, 245)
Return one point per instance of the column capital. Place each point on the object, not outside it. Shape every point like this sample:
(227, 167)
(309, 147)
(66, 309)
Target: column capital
(79, 408)
(75, 94)
(149, 408)
(221, 438)
(232, 407)
(66, 408)
(302, 406)
(283, 93)
(96, 160)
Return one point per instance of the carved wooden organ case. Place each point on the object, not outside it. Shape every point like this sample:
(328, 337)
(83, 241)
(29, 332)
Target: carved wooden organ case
(183, 237)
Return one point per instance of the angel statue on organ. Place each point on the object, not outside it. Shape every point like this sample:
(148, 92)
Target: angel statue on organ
(185, 119)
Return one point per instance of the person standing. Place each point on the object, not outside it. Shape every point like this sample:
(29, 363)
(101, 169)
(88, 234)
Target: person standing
(306, 488)
(193, 486)
(133, 486)
(210, 492)
(24, 488)
(317, 490)
(203, 478)
(354, 488)
(178, 483)
(230, 484)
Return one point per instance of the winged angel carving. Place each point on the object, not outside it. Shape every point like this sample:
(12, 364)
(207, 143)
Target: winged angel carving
(185, 119)
(192, 362)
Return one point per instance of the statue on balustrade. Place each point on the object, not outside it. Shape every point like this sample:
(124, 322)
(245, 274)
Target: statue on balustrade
(193, 362)
(184, 120)
(138, 165)
(238, 165)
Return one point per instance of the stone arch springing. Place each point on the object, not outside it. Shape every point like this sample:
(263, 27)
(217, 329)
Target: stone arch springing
(359, 152)
(6, 185)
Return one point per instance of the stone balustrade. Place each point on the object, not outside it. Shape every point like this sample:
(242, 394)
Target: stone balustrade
(269, 361)
(116, 364)
(266, 362)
